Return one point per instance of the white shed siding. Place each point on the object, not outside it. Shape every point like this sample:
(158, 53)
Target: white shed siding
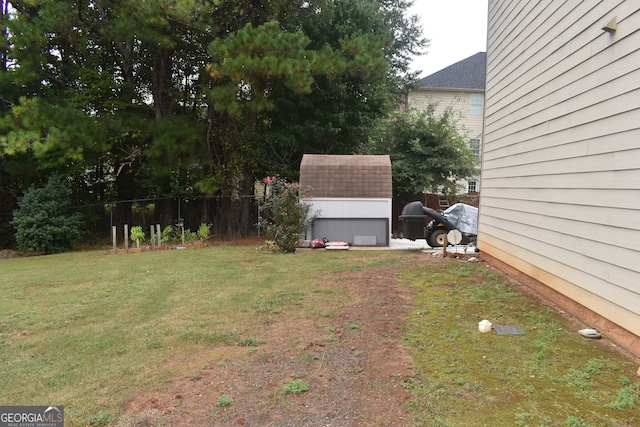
(561, 155)
(351, 208)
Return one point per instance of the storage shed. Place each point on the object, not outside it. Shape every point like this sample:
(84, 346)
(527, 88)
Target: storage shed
(351, 197)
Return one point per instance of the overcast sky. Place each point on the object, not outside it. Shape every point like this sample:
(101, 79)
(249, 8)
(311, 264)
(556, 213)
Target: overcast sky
(457, 29)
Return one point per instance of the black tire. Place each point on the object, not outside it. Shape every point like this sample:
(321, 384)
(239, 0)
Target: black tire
(436, 239)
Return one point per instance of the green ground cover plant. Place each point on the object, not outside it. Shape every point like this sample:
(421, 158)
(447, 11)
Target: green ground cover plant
(296, 386)
(224, 401)
(550, 376)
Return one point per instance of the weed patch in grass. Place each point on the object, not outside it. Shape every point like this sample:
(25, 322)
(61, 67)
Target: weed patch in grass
(296, 386)
(626, 398)
(224, 401)
(101, 419)
(250, 342)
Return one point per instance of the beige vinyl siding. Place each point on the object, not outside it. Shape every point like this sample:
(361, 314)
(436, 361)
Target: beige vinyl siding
(421, 98)
(471, 125)
(561, 157)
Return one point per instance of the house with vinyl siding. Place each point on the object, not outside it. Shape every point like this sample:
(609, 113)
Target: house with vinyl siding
(560, 201)
(461, 87)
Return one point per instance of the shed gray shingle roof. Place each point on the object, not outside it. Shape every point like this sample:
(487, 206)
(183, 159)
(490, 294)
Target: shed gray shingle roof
(468, 74)
(356, 176)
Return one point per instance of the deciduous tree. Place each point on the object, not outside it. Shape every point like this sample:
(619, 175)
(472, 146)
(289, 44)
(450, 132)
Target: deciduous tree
(427, 150)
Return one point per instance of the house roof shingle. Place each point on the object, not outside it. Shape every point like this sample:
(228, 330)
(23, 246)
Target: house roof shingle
(356, 176)
(468, 75)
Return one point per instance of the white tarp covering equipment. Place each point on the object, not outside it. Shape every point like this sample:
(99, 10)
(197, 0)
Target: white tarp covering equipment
(463, 217)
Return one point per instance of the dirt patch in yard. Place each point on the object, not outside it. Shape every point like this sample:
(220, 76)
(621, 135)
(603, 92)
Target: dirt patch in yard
(351, 357)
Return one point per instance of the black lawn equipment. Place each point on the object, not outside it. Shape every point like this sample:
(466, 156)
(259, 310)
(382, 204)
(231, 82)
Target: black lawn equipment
(457, 217)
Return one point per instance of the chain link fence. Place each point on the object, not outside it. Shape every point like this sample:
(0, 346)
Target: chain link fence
(226, 215)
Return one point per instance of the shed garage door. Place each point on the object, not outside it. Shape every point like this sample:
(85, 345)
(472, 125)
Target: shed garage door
(355, 231)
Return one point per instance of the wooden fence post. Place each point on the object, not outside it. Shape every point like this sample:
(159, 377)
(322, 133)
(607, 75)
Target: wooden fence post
(159, 235)
(153, 239)
(444, 246)
(114, 238)
(126, 237)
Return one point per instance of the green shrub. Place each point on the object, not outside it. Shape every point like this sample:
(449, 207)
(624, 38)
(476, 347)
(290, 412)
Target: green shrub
(203, 231)
(283, 215)
(43, 220)
(190, 236)
(168, 235)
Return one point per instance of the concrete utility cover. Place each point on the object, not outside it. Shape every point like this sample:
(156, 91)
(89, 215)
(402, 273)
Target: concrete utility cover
(509, 330)
(454, 237)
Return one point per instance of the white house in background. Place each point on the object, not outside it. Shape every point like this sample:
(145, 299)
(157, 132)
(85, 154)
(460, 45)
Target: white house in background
(460, 86)
(560, 197)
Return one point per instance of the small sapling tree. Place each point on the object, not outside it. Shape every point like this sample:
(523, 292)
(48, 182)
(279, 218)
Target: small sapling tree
(137, 234)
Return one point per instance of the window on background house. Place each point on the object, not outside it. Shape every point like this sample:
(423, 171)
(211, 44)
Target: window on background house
(477, 101)
(472, 186)
(474, 145)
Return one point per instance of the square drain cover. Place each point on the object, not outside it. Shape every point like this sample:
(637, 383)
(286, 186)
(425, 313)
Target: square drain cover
(509, 330)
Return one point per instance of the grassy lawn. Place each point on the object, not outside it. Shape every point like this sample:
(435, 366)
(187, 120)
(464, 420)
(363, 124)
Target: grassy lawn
(89, 331)
(550, 376)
